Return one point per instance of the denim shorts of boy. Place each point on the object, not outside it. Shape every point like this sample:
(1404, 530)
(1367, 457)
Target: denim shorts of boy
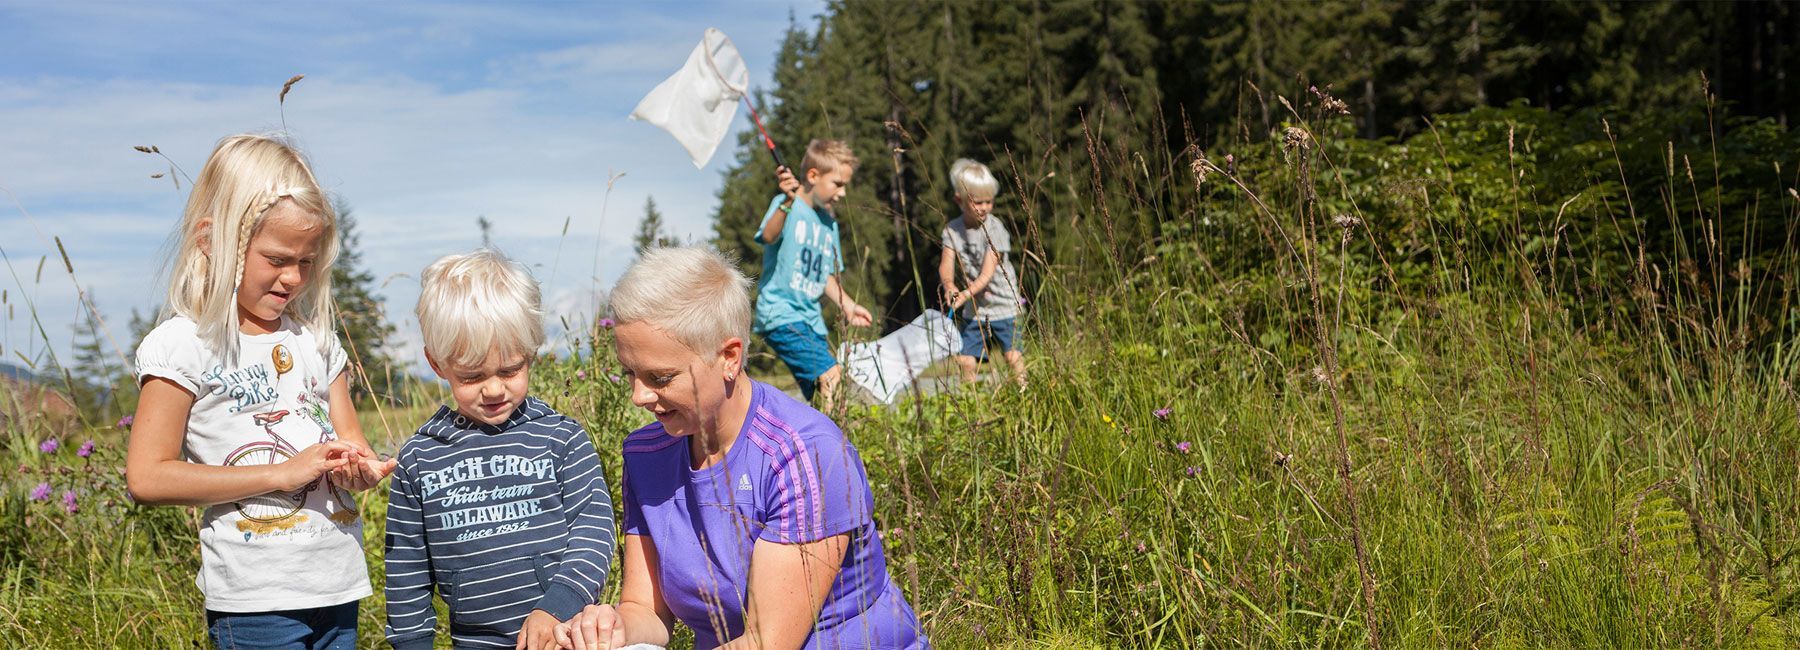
(332, 627)
(805, 351)
(976, 331)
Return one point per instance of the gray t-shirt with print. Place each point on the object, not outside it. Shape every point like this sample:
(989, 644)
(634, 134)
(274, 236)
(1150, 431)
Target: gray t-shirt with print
(1001, 298)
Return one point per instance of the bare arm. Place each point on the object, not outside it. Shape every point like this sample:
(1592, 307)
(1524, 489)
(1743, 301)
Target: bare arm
(772, 226)
(947, 274)
(988, 265)
(155, 473)
(853, 312)
(793, 580)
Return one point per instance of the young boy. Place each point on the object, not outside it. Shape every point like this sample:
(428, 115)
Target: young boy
(980, 240)
(498, 505)
(800, 262)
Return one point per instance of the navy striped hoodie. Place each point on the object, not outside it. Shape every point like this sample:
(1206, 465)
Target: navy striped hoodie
(499, 520)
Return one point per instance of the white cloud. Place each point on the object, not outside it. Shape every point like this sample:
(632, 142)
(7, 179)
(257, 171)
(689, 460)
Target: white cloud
(522, 133)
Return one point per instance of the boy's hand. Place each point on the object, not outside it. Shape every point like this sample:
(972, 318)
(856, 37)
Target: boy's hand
(858, 316)
(597, 627)
(539, 632)
(790, 186)
(311, 463)
(957, 299)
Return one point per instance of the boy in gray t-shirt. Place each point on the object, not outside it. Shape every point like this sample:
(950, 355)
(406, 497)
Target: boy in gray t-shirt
(988, 303)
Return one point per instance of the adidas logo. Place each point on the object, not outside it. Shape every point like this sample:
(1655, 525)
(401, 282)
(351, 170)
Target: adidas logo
(744, 483)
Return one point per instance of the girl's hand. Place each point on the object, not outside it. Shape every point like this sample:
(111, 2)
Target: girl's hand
(960, 297)
(311, 463)
(363, 472)
(597, 627)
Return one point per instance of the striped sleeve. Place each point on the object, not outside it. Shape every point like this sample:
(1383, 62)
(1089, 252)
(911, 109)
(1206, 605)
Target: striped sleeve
(411, 620)
(818, 486)
(587, 506)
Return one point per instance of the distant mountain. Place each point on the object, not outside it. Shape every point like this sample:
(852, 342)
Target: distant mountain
(17, 372)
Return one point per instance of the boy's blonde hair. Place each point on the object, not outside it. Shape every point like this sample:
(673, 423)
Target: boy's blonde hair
(694, 294)
(474, 304)
(244, 178)
(973, 180)
(825, 156)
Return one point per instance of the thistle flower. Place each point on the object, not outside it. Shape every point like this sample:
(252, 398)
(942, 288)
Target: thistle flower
(1193, 471)
(1184, 446)
(41, 492)
(606, 323)
(49, 446)
(613, 378)
(87, 449)
(125, 422)
(1162, 413)
(69, 501)
(581, 374)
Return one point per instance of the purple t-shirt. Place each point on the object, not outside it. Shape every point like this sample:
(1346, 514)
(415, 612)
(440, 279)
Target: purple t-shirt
(790, 478)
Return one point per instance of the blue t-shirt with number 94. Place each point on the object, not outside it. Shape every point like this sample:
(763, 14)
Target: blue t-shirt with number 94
(795, 267)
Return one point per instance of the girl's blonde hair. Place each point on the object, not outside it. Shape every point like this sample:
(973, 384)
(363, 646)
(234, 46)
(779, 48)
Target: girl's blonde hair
(244, 178)
(695, 294)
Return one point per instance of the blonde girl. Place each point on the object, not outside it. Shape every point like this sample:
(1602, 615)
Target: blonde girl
(245, 408)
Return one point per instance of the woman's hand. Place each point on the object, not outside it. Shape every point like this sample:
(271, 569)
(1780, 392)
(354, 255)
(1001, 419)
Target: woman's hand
(597, 627)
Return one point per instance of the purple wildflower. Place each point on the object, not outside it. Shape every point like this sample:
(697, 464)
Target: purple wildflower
(1140, 547)
(87, 449)
(1184, 446)
(24, 469)
(606, 323)
(125, 422)
(614, 378)
(41, 492)
(49, 446)
(1162, 413)
(1022, 301)
(69, 501)
(581, 374)
(1193, 471)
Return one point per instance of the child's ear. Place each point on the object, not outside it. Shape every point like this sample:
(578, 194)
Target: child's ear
(432, 361)
(202, 235)
(813, 175)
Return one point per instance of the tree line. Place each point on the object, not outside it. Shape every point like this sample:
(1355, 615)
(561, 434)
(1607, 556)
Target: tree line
(1051, 92)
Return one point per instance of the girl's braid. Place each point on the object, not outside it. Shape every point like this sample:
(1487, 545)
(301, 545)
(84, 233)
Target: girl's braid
(248, 225)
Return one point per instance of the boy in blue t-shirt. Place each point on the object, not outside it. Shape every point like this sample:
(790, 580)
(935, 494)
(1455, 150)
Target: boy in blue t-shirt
(800, 262)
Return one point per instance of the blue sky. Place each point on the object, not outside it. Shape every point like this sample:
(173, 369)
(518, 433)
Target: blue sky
(422, 117)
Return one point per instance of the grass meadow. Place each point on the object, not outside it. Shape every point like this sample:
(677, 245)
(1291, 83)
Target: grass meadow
(1263, 423)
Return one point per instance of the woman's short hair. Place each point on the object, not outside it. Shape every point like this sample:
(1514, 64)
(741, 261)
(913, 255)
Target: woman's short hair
(972, 180)
(475, 304)
(695, 294)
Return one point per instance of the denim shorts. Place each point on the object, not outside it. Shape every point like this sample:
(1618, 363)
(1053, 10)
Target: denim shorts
(804, 351)
(976, 331)
(332, 627)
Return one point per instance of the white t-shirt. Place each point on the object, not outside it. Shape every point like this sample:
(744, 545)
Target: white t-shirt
(278, 551)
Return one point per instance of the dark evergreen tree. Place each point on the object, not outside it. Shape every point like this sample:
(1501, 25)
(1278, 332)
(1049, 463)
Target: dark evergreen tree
(362, 328)
(650, 231)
